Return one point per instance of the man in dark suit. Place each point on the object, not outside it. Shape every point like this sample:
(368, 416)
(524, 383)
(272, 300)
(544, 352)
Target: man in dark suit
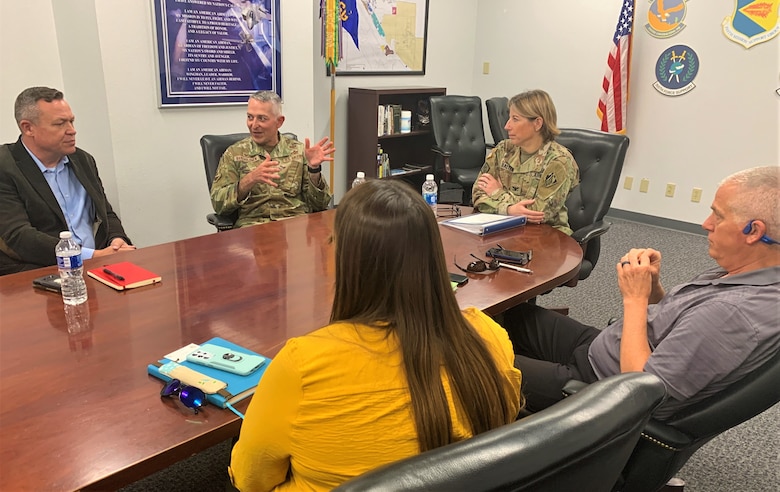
(48, 185)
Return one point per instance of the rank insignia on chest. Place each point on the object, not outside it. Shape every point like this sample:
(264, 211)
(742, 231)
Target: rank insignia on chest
(550, 180)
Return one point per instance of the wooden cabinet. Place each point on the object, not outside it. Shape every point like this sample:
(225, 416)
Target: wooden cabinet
(403, 148)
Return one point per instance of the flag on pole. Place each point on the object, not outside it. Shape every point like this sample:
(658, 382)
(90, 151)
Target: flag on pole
(350, 19)
(331, 51)
(614, 98)
(331, 33)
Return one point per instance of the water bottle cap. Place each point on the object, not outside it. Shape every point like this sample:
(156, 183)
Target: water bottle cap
(361, 174)
(65, 235)
(429, 177)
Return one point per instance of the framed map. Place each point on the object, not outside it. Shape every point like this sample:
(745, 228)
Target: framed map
(383, 37)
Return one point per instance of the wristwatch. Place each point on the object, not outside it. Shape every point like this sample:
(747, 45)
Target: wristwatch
(314, 170)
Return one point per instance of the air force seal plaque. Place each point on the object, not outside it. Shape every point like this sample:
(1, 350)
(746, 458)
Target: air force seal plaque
(752, 22)
(665, 18)
(675, 70)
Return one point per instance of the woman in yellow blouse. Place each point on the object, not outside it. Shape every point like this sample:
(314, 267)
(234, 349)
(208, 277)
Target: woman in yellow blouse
(399, 370)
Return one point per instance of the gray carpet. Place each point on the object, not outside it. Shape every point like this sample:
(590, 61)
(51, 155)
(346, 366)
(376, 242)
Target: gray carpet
(745, 458)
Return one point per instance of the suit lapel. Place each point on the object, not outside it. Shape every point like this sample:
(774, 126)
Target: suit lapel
(34, 176)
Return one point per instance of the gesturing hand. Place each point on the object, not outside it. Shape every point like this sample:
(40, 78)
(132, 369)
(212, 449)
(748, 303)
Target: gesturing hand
(266, 172)
(320, 152)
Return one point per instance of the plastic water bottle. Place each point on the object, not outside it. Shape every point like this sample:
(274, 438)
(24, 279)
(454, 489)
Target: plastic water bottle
(430, 191)
(360, 179)
(74, 290)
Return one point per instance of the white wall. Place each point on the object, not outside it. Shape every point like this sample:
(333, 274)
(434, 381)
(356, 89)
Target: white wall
(103, 58)
(730, 121)
(17, 20)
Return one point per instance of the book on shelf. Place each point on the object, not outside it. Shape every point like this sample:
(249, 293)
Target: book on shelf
(396, 115)
(124, 275)
(482, 224)
(380, 123)
(236, 387)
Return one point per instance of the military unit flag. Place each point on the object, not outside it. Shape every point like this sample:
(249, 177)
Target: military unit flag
(614, 98)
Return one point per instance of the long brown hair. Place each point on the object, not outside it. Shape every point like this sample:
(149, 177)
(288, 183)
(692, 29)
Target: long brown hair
(391, 273)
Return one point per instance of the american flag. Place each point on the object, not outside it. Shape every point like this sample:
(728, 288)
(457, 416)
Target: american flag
(614, 99)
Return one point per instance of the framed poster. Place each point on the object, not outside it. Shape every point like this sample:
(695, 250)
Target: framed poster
(383, 37)
(216, 51)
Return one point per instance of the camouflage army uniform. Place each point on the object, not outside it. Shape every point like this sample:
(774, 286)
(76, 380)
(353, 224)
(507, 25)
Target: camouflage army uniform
(296, 195)
(547, 176)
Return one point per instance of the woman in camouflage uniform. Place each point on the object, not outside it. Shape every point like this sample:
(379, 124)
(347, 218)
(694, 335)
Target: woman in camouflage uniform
(529, 173)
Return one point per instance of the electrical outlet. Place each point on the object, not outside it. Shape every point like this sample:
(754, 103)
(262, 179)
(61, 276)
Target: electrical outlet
(696, 195)
(486, 68)
(628, 183)
(670, 187)
(644, 184)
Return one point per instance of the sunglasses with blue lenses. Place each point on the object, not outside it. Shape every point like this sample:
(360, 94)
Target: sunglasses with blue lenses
(190, 396)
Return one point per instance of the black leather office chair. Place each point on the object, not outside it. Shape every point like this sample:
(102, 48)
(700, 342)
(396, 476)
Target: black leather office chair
(573, 445)
(459, 139)
(213, 146)
(666, 446)
(600, 157)
(498, 115)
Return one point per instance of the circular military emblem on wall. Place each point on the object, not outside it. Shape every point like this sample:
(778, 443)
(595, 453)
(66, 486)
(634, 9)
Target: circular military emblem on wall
(675, 70)
(665, 18)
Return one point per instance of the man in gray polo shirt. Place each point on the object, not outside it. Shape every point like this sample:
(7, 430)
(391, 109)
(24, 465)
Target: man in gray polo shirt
(700, 337)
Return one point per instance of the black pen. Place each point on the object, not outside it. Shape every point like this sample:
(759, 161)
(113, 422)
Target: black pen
(115, 275)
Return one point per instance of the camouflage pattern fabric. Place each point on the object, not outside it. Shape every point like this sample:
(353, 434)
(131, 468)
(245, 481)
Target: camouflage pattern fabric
(547, 176)
(296, 195)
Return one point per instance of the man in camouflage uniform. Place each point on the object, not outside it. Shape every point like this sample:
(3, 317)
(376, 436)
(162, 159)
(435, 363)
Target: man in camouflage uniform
(269, 176)
(529, 173)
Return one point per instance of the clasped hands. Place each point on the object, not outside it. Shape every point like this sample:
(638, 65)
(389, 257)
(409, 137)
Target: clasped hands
(268, 170)
(117, 244)
(638, 273)
(490, 184)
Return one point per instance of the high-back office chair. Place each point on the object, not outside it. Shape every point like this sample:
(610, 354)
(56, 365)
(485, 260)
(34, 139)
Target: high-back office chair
(666, 446)
(600, 157)
(213, 146)
(498, 115)
(573, 445)
(459, 139)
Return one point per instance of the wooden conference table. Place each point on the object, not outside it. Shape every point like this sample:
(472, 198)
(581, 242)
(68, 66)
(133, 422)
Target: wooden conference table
(78, 410)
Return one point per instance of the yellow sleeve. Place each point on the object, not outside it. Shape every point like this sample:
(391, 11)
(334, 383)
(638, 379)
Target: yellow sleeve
(500, 346)
(261, 458)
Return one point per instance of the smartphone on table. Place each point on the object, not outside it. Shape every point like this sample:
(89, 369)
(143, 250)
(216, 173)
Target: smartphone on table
(458, 279)
(510, 256)
(226, 359)
(52, 283)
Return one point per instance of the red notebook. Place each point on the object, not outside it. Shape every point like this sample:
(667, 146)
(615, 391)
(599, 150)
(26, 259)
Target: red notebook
(124, 275)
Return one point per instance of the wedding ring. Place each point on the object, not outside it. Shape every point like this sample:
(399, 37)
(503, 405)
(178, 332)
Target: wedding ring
(625, 263)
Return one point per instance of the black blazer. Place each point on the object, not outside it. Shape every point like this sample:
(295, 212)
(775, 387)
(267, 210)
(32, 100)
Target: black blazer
(31, 218)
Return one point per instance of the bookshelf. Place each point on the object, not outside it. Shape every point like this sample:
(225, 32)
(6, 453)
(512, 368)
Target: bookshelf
(404, 148)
